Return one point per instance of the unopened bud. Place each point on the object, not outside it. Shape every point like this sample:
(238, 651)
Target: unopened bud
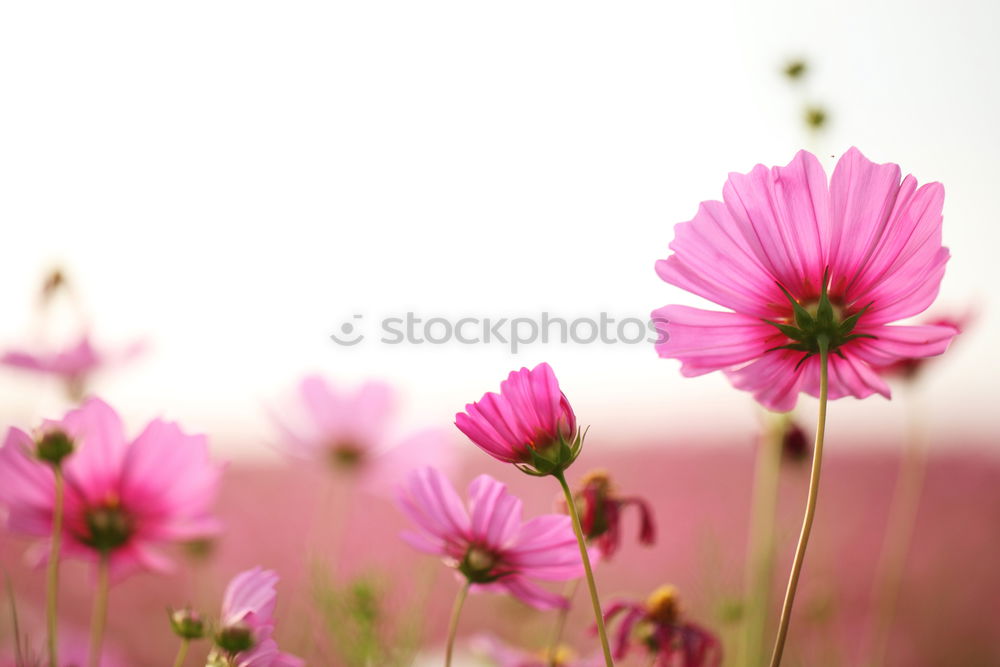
(187, 623)
(53, 446)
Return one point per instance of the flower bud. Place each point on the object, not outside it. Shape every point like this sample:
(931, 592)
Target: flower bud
(53, 446)
(187, 623)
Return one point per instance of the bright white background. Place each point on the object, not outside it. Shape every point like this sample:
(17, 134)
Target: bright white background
(232, 180)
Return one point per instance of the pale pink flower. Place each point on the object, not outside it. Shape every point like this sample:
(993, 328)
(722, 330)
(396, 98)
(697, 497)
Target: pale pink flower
(487, 541)
(121, 499)
(74, 364)
(247, 622)
(350, 431)
(529, 423)
(778, 234)
(504, 655)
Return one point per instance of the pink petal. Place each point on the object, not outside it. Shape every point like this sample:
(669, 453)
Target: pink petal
(782, 213)
(94, 467)
(705, 340)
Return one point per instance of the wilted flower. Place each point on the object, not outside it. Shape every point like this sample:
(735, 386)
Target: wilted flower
(659, 625)
(529, 423)
(121, 499)
(74, 364)
(601, 508)
(488, 543)
(350, 431)
(503, 655)
(243, 638)
(801, 263)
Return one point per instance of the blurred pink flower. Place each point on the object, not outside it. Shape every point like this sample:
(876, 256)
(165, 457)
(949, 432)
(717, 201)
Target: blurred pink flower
(601, 509)
(74, 364)
(350, 431)
(74, 651)
(488, 544)
(776, 236)
(910, 368)
(657, 624)
(247, 622)
(502, 655)
(528, 419)
(121, 499)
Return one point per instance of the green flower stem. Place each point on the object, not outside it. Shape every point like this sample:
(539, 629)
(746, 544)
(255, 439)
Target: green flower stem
(899, 535)
(561, 623)
(99, 617)
(52, 574)
(807, 521)
(591, 584)
(456, 612)
(761, 549)
(182, 653)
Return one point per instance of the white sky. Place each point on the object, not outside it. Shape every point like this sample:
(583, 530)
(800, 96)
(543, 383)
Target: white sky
(235, 179)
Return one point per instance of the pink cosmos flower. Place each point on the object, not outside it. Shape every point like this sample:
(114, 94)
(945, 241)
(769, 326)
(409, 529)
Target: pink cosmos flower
(247, 622)
(74, 364)
(658, 625)
(121, 499)
(601, 510)
(781, 243)
(350, 431)
(502, 655)
(487, 542)
(529, 423)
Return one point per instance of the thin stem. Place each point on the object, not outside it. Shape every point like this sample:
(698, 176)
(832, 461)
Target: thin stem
(561, 622)
(761, 547)
(182, 652)
(589, 572)
(456, 612)
(898, 537)
(52, 576)
(807, 521)
(100, 614)
(18, 652)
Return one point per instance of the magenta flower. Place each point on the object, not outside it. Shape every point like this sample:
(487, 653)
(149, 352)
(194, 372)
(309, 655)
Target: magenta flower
(601, 509)
(658, 626)
(121, 499)
(487, 543)
(794, 258)
(74, 365)
(350, 431)
(247, 622)
(529, 423)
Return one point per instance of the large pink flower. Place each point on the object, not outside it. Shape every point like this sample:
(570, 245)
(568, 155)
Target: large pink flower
(487, 543)
(247, 622)
(121, 499)
(874, 239)
(529, 417)
(350, 431)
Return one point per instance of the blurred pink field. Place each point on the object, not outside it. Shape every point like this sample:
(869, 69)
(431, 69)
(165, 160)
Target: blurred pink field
(275, 517)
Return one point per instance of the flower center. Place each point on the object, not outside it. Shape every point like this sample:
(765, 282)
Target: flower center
(663, 606)
(817, 327)
(346, 455)
(108, 526)
(478, 565)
